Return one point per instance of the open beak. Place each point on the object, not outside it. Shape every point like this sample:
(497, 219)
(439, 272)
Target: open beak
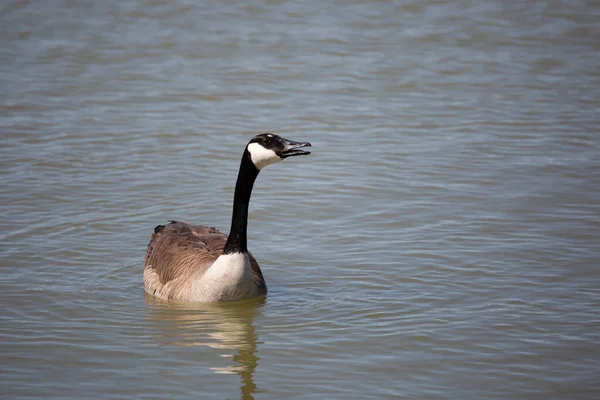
(291, 148)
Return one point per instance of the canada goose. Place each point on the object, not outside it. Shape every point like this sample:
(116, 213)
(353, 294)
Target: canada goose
(197, 263)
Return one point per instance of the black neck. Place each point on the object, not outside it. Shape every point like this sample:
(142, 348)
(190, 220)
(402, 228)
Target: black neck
(237, 240)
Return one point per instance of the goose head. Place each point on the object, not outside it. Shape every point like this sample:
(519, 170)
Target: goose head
(269, 148)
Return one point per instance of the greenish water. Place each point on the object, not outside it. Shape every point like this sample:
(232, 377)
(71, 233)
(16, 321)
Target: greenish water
(441, 242)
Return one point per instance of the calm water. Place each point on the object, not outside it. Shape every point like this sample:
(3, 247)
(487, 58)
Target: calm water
(442, 242)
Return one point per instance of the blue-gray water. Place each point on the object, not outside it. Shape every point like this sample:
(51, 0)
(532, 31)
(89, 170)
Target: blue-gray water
(441, 242)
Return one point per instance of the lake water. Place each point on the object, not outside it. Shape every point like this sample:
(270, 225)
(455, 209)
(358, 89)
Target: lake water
(441, 242)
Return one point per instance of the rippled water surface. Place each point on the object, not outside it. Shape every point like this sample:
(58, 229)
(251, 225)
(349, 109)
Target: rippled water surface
(441, 242)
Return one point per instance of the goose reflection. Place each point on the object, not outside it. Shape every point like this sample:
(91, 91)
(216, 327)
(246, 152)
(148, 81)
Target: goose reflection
(224, 326)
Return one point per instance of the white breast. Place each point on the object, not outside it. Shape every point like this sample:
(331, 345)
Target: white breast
(229, 278)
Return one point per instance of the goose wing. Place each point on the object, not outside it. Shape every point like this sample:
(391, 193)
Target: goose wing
(178, 250)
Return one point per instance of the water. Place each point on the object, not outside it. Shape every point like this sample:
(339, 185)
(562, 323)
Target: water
(441, 242)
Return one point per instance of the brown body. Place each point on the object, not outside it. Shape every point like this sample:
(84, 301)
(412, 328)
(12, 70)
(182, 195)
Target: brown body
(179, 253)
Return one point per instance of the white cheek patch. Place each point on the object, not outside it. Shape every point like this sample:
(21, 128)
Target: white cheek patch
(261, 157)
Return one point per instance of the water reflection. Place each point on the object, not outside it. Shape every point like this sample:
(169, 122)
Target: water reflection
(224, 326)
